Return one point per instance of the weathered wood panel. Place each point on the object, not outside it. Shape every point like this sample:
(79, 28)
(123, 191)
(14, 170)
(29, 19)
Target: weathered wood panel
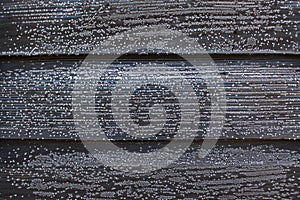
(74, 27)
(262, 93)
(262, 90)
(233, 170)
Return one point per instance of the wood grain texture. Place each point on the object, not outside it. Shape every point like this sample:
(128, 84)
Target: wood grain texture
(74, 27)
(233, 170)
(262, 96)
(255, 46)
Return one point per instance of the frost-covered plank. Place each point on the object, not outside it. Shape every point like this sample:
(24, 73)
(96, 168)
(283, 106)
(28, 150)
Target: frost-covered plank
(52, 170)
(72, 27)
(262, 96)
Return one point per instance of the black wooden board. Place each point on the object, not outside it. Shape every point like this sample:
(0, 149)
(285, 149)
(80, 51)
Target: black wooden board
(262, 96)
(233, 170)
(73, 27)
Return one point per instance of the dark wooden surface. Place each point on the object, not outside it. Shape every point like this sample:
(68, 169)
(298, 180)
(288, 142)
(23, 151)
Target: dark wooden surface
(73, 27)
(255, 46)
(233, 170)
(263, 103)
(263, 95)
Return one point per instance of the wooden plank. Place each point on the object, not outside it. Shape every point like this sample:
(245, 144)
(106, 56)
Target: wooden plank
(233, 170)
(75, 27)
(262, 96)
